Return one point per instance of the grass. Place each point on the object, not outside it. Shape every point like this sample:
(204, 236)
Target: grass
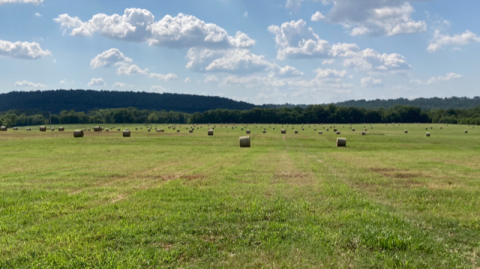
(167, 200)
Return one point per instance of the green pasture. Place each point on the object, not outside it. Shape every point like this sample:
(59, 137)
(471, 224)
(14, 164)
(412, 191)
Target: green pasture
(189, 200)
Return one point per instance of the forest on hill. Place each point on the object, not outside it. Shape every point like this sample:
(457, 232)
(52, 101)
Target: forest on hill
(296, 115)
(56, 101)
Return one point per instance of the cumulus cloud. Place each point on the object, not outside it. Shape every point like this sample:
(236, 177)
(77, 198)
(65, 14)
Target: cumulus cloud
(229, 61)
(187, 80)
(317, 16)
(327, 62)
(289, 71)
(372, 18)
(371, 82)
(122, 85)
(166, 77)
(370, 60)
(22, 50)
(108, 58)
(432, 80)
(440, 40)
(96, 82)
(34, 2)
(133, 69)
(330, 73)
(38, 15)
(138, 25)
(211, 78)
(28, 84)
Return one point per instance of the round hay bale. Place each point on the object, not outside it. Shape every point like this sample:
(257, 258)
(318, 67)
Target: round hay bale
(136, 129)
(78, 133)
(178, 131)
(248, 131)
(89, 129)
(126, 133)
(245, 141)
(335, 130)
(296, 132)
(283, 131)
(53, 129)
(190, 131)
(61, 129)
(364, 133)
(118, 130)
(210, 132)
(320, 132)
(406, 131)
(341, 142)
(428, 134)
(338, 132)
(328, 130)
(15, 128)
(4, 129)
(43, 129)
(264, 131)
(353, 130)
(97, 129)
(466, 131)
(28, 129)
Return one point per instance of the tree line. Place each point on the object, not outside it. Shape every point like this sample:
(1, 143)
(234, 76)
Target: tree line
(296, 115)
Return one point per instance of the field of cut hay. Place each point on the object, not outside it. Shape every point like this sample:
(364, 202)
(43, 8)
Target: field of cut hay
(389, 199)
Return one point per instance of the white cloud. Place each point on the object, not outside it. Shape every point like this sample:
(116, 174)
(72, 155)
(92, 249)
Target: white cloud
(28, 84)
(138, 25)
(211, 78)
(34, 2)
(371, 82)
(63, 81)
(373, 17)
(128, 70)
(440, 40)
(38, 15)
(22, 50)
(109, 58)
(327, 62)
(289, 71)
(317, 16)
(229, 61)
(187, 80)
(158, 89)
(370, 60)
(432, 80)
(245, 14)
(449, 76)
(96, 82)
(122, 85)
(167, 77)
(330, 73)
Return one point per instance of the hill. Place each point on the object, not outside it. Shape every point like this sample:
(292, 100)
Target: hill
(86, 100)
(422, 103)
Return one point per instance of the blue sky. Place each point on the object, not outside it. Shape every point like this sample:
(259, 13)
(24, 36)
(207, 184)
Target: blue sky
(295, 51)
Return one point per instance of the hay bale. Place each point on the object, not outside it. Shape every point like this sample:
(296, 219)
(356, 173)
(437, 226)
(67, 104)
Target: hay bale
(15, 128)
(264, 131)
(341, 142)
(178, 131)
(89, 129)
(320, 132)
(283, 131)
(61, 129)
(245, 141)
(43, 129)
(97, 129)
(3, 129)
(338, 132)
(136, 129)
(353, 130)
(335, 130)
(210, 132)
(126, 133)
(296, 132)
(78, 133)
(28, 129)
(466, 131)
(248, 131)
(53, 129)
(406, 131)
(428, 134)
(364, 133)
(118, 130)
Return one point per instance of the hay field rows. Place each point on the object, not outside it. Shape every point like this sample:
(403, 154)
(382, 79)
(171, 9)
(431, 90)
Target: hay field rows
(165, 200)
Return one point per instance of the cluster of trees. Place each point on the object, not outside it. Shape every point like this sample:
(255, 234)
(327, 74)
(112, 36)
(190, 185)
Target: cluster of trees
(422, 103)
(295, 115)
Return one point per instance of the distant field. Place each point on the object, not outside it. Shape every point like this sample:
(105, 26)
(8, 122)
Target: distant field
(164, 200)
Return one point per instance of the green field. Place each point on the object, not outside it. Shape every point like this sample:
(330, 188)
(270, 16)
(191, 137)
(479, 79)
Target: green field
(165, 200)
